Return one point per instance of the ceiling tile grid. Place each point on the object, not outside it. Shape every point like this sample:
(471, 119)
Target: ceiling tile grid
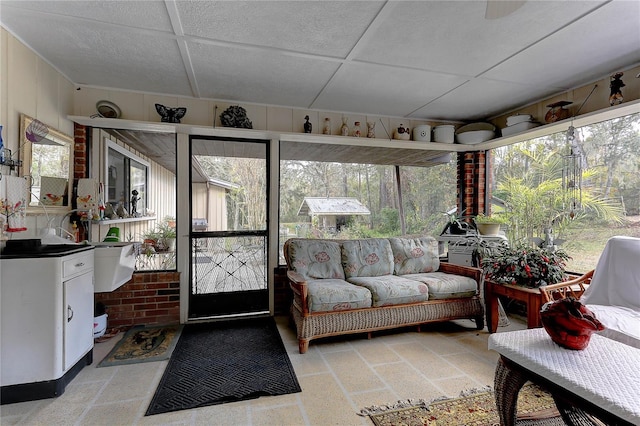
(421, 59)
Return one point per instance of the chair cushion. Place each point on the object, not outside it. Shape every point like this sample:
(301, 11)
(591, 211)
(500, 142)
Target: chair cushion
(414, 255)
(370, 257)
(326, 295)
(392, 289)
(315, 259)
(446, 286)
(621, 324)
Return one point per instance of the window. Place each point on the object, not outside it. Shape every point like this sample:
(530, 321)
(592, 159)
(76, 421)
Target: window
(528, 188)
(344, 200)
(125, 173)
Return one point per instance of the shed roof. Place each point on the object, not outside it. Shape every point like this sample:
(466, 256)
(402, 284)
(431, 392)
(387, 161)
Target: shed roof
(313, 206)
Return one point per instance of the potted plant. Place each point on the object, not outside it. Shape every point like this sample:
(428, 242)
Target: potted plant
(456, 225)
(524, 265)
(488, 225)
(166, 237)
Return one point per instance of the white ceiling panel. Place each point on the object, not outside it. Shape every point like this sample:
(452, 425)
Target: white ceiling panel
(562, 62)
(252, 75)
(479, 99)
(381, 90)
(320, 28)
(396, 58)
(150, 14)
(454, 37)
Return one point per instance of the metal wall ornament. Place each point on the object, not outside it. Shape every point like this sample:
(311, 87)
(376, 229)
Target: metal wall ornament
(572, 175)
(170, 115)
(235, 116)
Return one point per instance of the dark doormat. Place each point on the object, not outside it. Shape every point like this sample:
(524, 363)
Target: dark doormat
(223, 362)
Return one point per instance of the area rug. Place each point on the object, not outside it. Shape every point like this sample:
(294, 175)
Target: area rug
(223, 362)
(144, 344)
(535, 407)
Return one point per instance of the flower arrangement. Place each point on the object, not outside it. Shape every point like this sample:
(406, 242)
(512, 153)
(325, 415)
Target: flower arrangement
(525, 265)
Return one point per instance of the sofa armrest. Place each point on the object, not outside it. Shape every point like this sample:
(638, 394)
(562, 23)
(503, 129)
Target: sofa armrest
(465, 271)
(299, 287)
(571, 288)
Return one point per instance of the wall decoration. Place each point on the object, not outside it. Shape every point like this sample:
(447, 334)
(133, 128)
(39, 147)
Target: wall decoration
(557, 111)
(170, 115)
(616, 86)
(307, 125)
(13, 203)
(235, 116)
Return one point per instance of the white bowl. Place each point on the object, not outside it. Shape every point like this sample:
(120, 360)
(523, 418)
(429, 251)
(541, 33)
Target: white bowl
(476, 126)
(518, 118)
(520, 127)
(475, 136)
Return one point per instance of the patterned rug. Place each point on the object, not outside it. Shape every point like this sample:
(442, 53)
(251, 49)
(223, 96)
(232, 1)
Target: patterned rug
(216, 363)
(535, 407)
(144, 344)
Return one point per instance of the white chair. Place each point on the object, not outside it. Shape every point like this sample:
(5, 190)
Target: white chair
(614, 293)
(611, 291)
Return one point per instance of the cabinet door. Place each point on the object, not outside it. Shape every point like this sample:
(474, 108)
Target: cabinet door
(78, 318)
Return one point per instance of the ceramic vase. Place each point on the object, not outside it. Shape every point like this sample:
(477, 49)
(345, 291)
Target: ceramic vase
(344, 129)
(326, 129)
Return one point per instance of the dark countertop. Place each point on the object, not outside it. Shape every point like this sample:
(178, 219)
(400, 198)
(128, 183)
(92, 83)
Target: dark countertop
(50, 250)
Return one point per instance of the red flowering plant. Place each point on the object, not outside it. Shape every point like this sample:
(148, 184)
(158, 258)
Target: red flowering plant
(525, 265)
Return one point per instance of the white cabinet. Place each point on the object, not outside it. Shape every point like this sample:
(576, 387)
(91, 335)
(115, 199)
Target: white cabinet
(46, 322)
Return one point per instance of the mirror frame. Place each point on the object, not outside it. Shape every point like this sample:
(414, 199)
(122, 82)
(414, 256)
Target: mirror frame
(26, 157)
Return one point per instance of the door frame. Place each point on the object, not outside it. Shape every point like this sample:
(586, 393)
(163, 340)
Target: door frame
(183, 180)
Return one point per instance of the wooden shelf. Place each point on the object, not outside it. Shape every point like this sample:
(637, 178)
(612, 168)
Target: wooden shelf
(122, 220)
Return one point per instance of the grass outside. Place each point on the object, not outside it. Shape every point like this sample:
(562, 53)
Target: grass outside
(586, 244)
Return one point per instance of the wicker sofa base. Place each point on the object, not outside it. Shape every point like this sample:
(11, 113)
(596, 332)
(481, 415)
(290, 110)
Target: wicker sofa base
(325, 324)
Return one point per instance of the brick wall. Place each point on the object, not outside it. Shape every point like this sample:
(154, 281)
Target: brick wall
(148, 298)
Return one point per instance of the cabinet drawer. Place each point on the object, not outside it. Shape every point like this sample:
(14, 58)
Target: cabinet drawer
(77, 264)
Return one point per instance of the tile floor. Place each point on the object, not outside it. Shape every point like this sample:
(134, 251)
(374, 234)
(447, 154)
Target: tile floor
(338, 376)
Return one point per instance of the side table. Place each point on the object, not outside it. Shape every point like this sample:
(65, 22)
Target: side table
(531, 296)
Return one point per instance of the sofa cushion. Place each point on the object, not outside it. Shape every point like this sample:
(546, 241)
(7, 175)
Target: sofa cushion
(621, 323)
(446, 286)
(315, 259)
(370, 257)
(414, 255)
(326, 295)
(392, 289)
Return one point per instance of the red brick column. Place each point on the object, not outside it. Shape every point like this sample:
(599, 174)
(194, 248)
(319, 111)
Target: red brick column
(80, 151)
(472, 172)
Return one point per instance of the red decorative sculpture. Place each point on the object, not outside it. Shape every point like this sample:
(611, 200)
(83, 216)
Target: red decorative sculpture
(569, 323)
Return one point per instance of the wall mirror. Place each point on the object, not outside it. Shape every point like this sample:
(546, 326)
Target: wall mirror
(46, 155)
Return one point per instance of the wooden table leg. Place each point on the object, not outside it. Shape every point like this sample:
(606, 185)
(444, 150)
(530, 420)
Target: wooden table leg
(507, 383)
(533, 310)
(491, 305)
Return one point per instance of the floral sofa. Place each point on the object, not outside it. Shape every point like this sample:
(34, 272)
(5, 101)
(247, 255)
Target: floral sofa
(354, 286)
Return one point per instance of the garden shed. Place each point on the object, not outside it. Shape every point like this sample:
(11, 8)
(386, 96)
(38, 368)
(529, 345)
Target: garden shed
(332, 213)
